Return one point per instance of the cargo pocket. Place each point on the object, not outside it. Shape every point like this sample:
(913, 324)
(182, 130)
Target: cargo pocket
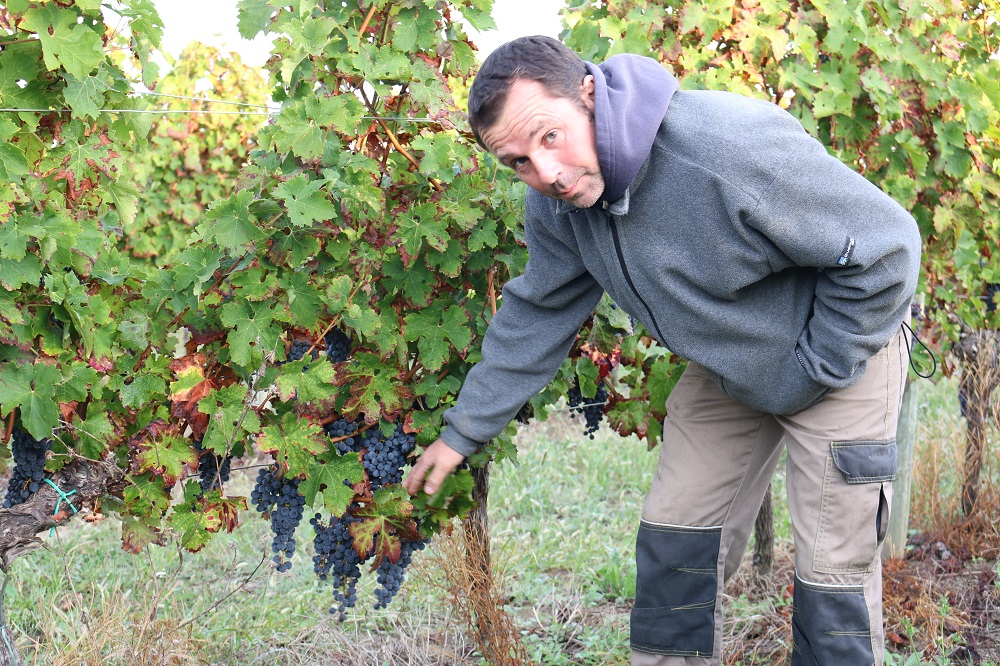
(854, 515)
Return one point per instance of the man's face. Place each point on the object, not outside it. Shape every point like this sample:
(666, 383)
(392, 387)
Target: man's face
(550, 142)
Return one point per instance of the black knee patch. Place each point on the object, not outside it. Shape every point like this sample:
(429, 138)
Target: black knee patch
(676, 587)
(830, 625)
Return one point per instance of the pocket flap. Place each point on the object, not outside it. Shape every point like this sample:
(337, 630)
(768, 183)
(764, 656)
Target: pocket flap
(865, 462)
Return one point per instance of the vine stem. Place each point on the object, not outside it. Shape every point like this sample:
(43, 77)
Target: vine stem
(367, 21)
(395, 142)
(491, 289)
(335, 320)
(9, 430)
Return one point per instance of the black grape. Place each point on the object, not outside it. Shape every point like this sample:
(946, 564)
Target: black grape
(390, 576)
(343, 428)
(282, 498)
(989, 295)
(29, 467)
(211, 475)
(591, 408)
(338, 346)
(385, 456)
(337, 560)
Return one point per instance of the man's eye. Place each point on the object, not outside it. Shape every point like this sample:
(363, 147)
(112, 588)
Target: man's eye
(551, 136)
(518, 162)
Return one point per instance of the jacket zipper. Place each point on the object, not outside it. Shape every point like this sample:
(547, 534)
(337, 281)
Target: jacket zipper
(628, 278)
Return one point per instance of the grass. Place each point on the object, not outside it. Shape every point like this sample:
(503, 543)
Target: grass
(563, 532)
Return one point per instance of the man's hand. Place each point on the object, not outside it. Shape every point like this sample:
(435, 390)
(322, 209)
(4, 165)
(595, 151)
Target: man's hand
(436, 463)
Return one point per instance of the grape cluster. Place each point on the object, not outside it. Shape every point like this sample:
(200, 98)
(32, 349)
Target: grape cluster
(299, 349)
(989, 295)
(337, 559)
(282, 498)
(29, 467)
(592, 409)
(338, 346)
(390, 575)
(385, 456)
(343, 428)
(211, 475)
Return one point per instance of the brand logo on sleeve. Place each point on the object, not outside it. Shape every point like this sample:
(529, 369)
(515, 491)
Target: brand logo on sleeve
(845, 254)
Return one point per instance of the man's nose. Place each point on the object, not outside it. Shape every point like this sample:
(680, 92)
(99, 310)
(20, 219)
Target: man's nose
(547, 168)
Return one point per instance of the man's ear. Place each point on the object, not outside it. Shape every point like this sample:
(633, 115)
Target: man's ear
(587, 91)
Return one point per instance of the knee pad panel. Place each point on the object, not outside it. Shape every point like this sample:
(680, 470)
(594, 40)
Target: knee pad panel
(676, 589)
(830, 625)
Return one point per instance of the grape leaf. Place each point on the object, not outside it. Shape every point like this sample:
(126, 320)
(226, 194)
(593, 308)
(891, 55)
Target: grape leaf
(194, 524)
(295, 443)
(375, 389)
(65, 42)
(139, 532)
(305, 201)
(251, 331)
(383, 522)
(436, 330)
(169, 456)
(230, 224)
(326, 477)
(306, 380)
(253, 17)
(227, 415)
(31, 387)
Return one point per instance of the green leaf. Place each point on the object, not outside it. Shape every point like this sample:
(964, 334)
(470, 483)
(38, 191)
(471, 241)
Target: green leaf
(436, 330)
(326, 477)
(305, 201)
(421, 224)
(295, 444)
(15, 272)
(253, 17)
(662, 379)
(86, 96)
(229, 417)
(169, 457)
(251, 331)
(65, 42)
(587, 374)
(13, 163)
(142, 389)
(195, 525)
(306, 380)
(230, 224)
(31, 387)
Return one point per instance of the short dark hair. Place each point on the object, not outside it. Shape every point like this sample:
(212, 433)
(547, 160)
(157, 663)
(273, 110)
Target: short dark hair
(537, 58)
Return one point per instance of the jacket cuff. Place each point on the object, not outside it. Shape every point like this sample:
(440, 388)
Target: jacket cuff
(460, 442)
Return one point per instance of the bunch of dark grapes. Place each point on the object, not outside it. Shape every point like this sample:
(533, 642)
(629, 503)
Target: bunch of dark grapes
(298, 352)
(592, 408)
(337, 560)
(211, 475)
(340, 429)
(338, 346)
(525, 414)
(989, 295)
(390, 576)
(385, 456)
(282, 498)
(29, 467)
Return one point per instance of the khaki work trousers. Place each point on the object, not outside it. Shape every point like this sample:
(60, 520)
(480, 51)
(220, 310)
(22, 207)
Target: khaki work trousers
(716, 461)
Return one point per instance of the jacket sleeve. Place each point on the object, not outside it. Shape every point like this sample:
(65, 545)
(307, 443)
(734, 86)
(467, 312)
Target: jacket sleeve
(820, 213)
(529, 337)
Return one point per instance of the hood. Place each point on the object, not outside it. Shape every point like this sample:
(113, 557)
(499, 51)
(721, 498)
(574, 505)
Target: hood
(631, 94)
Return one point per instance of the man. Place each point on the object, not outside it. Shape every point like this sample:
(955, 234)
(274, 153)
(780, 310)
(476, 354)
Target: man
(743, 246)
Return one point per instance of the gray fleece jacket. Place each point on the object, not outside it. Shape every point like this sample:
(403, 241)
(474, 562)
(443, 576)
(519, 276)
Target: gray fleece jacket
(740, 243)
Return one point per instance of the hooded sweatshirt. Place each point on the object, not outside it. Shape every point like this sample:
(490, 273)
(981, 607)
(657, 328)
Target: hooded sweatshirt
(731, 234)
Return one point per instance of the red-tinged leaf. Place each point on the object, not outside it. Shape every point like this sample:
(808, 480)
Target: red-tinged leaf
(375, 389)
(897, 639)
(225, 511)
(167, 455)
(295, 444)
(188, 389)
(137, 533)
(384, 522)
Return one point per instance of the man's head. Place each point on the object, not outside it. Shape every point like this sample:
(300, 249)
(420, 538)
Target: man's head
(532, 105)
